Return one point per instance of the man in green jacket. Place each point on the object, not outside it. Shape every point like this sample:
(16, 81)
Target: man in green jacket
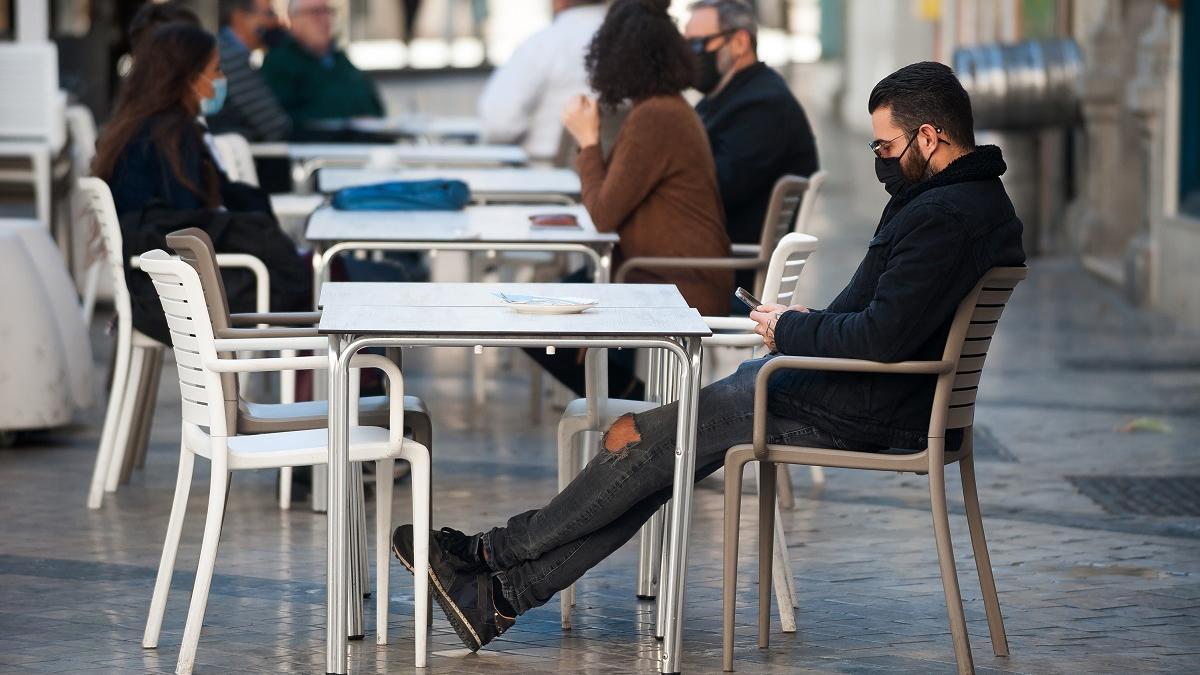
(311, 77)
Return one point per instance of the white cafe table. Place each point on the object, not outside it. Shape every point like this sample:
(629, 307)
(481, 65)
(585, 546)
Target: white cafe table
(487, 184)
(358, 316)
(430, 128)
(306, 158)
(475, 228)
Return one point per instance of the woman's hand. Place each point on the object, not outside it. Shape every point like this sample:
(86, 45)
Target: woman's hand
(581, 118)
(767, 316)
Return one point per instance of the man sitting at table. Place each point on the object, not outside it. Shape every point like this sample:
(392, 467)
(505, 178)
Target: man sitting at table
(311, 77)
(743, 97)
(948, 221)
(251, 108)
(525, 96)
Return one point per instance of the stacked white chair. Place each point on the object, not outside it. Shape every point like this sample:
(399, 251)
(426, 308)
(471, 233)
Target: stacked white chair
(210, 433)
(138, 356)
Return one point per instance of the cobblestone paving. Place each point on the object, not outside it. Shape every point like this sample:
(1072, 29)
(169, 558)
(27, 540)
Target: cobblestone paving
(1083, 589)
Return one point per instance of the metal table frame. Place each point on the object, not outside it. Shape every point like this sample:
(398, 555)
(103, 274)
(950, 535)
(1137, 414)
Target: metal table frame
(342, 346)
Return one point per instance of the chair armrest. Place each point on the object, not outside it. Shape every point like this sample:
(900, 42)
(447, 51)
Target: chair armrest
(271, 344)
(262, 280)
(275, 318)
(271, 332)
(746, 250)
(738, 323)
(691, 263)
(750, 340)
(820, 363)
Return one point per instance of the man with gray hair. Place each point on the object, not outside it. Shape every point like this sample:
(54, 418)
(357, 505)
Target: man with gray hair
(757, 129)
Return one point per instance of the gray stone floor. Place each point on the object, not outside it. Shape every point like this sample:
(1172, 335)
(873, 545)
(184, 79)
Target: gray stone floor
(1085, 585)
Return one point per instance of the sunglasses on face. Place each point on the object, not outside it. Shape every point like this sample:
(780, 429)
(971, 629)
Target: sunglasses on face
(699, 45)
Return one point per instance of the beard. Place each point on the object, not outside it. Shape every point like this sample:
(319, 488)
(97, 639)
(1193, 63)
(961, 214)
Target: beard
(914, 167)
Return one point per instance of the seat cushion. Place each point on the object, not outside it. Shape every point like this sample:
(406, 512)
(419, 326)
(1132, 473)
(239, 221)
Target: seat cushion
(265, 418)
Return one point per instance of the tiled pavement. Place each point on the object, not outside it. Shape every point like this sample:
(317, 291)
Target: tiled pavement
(1082, 589)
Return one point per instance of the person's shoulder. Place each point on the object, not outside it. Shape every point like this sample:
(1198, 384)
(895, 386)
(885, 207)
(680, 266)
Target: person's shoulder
(283, 55)
(663, 105)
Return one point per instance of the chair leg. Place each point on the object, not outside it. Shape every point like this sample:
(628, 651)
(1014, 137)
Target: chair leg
(154, 375)
(818, 475)
(766, 540)
(735, 463)
(783, 488)
(983, 561)
(108, 434)
(567, 457)
(785, 588)
(287, 394)
(133, 384)
(945, 550)
(383, 532)
(137, 418)
(204, 570)
(166, 566)
(421, 494)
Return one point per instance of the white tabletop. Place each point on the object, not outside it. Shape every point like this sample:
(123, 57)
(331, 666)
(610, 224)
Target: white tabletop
(412, 124)
(392, 294)
(385, 154)
(497, 223)
(498, 181)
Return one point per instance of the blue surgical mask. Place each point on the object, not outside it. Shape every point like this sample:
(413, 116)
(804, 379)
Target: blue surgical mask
(211, 106)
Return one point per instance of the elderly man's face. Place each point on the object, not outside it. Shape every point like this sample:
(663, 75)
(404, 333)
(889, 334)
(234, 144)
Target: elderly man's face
(312, 24)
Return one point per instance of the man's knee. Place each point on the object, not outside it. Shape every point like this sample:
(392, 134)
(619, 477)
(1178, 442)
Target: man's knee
(622, 434)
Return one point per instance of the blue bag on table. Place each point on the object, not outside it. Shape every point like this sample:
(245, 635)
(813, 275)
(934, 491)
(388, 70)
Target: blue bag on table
(404, 195)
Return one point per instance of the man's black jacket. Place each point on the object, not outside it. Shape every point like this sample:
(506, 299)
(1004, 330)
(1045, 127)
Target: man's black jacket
(935, 241)
(253, 230)
(758, 133)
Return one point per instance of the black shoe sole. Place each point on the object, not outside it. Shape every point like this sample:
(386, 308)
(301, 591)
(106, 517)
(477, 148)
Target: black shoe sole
(458, 621)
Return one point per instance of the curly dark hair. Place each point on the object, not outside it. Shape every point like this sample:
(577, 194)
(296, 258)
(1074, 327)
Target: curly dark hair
(638, 53)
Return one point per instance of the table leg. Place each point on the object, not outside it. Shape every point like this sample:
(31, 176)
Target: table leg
(650, 536)
(358, 581)
(320, 473)
(338, 524)
(680, 514)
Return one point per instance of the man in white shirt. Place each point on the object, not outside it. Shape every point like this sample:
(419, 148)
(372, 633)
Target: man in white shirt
(525, 96)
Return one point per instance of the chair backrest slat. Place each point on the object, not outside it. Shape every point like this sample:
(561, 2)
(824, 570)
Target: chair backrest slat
(195, 247)
(186, 312)
(236, 158)
(97, 204)
(787, 263)
(970, 338)
(792, 200)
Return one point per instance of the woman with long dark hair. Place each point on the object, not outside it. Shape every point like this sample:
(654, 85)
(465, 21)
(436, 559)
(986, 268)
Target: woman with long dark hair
(153, 155)
(658, 188)
(153, 150)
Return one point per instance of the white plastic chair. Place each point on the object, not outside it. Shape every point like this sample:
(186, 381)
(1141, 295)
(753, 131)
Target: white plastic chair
(291, 209)
(138, 357)
(32, 116)
(209, 432)
(782, 277)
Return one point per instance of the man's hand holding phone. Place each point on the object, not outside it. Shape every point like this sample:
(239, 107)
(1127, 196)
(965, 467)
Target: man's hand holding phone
(767, 316)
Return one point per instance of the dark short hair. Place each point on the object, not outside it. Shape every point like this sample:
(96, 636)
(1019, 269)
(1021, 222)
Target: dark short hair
(151, 15)
(927, 93)
(638, 53)
(226, 8)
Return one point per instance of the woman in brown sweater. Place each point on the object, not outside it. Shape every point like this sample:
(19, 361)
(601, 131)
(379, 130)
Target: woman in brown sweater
(658, 188)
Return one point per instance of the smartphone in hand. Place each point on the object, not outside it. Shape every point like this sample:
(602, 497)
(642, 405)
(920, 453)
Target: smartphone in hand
(752, 302)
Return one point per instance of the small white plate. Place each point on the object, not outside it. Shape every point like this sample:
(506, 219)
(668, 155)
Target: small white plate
(527, 304)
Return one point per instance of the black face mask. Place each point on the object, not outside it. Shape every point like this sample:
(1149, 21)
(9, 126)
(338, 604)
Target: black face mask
(707, 75)
(271, 37)
(889, 172)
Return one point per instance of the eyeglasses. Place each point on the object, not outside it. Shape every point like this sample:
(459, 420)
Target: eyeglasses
(699, 45)
(877, 146)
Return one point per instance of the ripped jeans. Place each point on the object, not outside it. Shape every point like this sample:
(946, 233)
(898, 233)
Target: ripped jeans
(543, 551)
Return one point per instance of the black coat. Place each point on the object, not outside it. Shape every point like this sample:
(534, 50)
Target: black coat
(758, 132)
(935, 241)
(248, 227)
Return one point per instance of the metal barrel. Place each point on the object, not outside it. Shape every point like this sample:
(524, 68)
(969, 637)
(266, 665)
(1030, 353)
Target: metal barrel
(1023, 85)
